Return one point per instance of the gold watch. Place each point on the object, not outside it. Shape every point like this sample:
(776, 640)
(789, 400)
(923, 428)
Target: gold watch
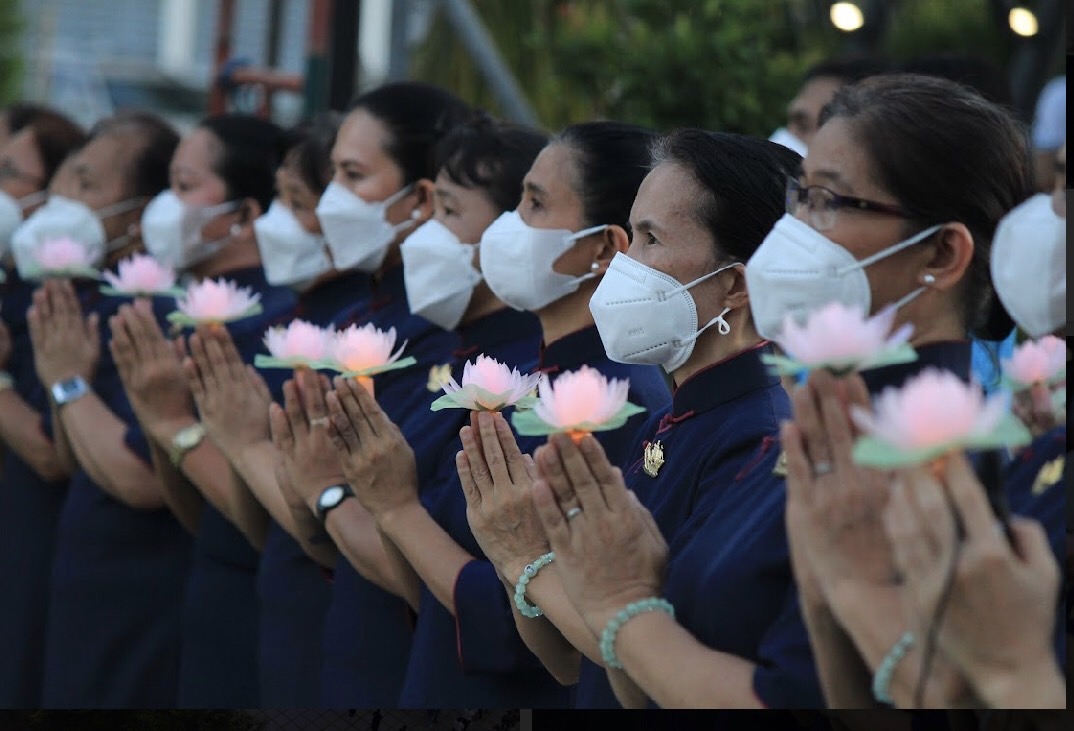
(187, 439)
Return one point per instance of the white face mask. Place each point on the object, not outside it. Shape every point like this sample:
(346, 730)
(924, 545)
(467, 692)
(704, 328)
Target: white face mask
(439, 274)
(171, 230)
(357, 230)
(647, 317)
(783, 136)
(797, 270)
(517, 259)
(289, 253)
(1029, 266)
(67, 218)
(11, 209)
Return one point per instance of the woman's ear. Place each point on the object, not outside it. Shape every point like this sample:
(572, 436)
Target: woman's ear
(738, 295)
(249, 211)
(610, 241)
(953, 254)
(417, 206)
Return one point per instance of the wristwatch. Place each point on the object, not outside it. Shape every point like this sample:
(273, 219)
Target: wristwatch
(68, 390)
(330, 499)
(6, 381)
(184, 441)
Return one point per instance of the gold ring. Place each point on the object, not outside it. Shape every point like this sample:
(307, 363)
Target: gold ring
(319, 421)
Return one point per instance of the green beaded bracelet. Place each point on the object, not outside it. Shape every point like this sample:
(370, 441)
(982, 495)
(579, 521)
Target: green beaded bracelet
(886, 669)
(524, 607)
(607, 637)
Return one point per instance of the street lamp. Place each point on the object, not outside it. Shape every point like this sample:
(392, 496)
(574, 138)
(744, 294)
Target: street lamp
(1022, 21)
(846, 16)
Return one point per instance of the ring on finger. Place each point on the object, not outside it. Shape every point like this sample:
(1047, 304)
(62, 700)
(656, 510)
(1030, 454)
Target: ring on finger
(319, 421)
(822, 468)
(574, 513)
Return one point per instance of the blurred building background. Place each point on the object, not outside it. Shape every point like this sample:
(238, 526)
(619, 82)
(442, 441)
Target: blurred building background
(720, 64)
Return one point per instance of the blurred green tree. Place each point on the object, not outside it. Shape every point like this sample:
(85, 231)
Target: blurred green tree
(720, 64)
(10, 59)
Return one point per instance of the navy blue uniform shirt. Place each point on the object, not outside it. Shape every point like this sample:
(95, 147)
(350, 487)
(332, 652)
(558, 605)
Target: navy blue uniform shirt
(113, 628)
(367, 630)
(294, 592)
(219, 665)
(29, 509)
(477, 657)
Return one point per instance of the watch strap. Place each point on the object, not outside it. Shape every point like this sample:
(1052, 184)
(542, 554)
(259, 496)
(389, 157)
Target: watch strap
(69, 390)
(325, 507)
(185, 440)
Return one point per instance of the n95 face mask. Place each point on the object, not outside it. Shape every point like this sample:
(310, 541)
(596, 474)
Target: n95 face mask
(357, 230)
(517, 259)
(438, 274)
(289, 253)
(1029, 266)
(797, 270)
(647, 317)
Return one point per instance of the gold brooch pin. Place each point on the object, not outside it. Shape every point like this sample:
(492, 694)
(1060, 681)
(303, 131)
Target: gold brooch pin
(780, 470)
(1049, 475)
(654, 458)
(438, 376)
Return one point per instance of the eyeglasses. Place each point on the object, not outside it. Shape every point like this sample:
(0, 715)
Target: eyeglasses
(821, 204)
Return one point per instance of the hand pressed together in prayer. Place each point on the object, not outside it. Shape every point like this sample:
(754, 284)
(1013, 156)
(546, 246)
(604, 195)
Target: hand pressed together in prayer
(375, 457)
(151, 370)
(232, 398)
(65, 343)
(300, 435)
(609, 550)
(497, 481)
(997, 624)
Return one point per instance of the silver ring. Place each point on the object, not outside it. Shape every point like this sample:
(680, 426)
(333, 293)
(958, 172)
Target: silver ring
(574, 512)
(319, 421)
(821, 468)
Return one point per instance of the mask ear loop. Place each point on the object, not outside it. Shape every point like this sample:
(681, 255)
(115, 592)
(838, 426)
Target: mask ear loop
(581, 235)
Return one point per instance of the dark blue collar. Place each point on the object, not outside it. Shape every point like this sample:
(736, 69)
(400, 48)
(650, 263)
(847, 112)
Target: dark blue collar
(948, 355)
(723, 382)
(502, 326)
(572, 351)
(387, 288)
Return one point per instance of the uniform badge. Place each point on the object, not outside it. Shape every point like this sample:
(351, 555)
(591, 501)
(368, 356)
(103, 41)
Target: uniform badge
(1049, 475)
(780, 470)
(438, 376)
(654, 458)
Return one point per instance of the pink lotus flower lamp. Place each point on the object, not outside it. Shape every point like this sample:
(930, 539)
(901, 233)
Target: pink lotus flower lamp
(63, 257)
(488, 385)
(931, 415)
(141, 276)
(842, 339)
(300, 344)
(577, 403)
(363, 352)
(215, 302)
(1041, 367)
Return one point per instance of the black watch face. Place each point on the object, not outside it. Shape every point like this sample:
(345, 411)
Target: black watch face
(332, 496)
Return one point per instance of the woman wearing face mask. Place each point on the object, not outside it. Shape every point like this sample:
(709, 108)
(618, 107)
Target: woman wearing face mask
(222, 178)
(480, 169)
(231, 405)
(120, 560)
(465, 645)
(898, 203)
(382, 189)
(996, 624)
(703, 466)
(32, 476)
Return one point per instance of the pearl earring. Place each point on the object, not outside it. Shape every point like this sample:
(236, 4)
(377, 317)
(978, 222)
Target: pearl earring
(235, 229)
(594, 266)
(928, 279)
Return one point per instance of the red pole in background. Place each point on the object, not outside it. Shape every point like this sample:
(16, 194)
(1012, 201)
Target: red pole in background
(224, 20)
